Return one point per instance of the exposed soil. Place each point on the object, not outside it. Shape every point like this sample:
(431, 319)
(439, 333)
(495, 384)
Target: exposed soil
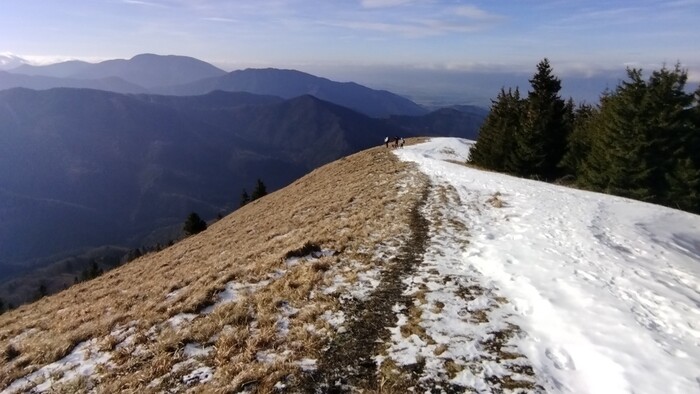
(349, 363)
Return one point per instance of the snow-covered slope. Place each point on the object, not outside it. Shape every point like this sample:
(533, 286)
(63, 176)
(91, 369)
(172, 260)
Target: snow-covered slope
(602, 293)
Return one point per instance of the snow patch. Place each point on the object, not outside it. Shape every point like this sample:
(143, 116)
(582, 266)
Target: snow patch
(313, 256)
(307, 364)
(193, 350)
(286, 311)
(233, 291)
(198, 376)
(81, 362)
(181, 319)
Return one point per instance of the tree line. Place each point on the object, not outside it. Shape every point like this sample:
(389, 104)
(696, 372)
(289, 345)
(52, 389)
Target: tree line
(641, 141)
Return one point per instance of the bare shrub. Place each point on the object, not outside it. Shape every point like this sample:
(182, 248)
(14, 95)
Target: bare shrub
(495, 200)
(10, 353)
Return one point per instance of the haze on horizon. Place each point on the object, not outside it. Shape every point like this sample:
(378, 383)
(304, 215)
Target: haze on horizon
(398, 44)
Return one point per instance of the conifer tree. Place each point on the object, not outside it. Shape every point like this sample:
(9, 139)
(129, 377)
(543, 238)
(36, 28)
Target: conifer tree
(672, 132)
(683, 177)
(43, 291)
(579, 141)
(194, 224)
(245, 198)
(623, 144)
(540, 146)
(645, 141)
(2, 306)
(493, 147)
(259, 191)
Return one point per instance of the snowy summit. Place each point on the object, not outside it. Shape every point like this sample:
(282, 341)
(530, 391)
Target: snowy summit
(604, 291)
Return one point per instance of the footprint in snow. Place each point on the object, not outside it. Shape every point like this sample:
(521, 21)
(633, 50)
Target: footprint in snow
(522, 307)
(560, 358)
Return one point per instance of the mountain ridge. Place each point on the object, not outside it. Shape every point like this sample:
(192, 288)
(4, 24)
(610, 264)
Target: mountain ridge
(9, 80)
(394, 270)
(146, 70)
(187, 76)
(292, 83)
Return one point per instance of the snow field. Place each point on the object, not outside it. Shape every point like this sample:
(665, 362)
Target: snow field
(604, 290)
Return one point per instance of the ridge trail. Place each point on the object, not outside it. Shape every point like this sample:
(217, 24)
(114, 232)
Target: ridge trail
(349, 363)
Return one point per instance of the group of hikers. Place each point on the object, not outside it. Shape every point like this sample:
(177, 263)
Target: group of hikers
(396, 142)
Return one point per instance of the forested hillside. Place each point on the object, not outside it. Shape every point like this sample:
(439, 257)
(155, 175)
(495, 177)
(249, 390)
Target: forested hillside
(642, 141)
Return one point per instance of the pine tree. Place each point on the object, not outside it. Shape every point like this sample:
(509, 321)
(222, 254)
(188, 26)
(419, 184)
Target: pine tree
(684, 177)
(259, 191)
(95, 270)
(645, 141)
(43, 291)
(684, 186)
(671, 133)
(540, 146)
(579, 142)
(624, 140)
(493, 147)
(2, 306)
(194, 224)
(245, 198)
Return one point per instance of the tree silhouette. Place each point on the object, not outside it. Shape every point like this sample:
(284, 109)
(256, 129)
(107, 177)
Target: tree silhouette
(43, 291)
(259, 191)
(194, 224)
(245, 198)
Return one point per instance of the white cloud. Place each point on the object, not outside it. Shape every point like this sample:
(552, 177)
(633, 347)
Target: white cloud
(9, 61)
(411, 28)
(415, 22)
(475, 13)
(144, 3)
(42, 60)
(382, 3)
(219, 19)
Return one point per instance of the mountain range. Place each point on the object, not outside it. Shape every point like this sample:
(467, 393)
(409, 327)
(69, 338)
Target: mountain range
(186, 76)
(146, 70)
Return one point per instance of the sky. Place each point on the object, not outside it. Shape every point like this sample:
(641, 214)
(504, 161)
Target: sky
(341, 37)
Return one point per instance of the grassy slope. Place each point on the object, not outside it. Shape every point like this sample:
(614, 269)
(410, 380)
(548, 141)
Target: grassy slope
(357, 206)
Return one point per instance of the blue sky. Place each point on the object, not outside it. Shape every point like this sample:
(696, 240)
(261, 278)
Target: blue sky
(580, 37)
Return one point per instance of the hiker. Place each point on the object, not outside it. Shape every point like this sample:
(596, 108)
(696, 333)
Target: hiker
(403, 141)
(396, 142)
(386, 141)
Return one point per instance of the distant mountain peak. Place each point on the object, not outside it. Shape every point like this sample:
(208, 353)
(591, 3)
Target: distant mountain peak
(147, 70)
(288, 83)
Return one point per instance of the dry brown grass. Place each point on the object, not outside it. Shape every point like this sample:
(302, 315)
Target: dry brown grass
(496, 201)
(350, 206)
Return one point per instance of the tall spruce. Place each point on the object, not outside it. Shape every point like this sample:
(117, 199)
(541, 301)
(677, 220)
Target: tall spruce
(493, 148)
(194, 224)
(683, 174)
(259, 191)
(245, 198)
(541, 144)
(618, 161)
(645, 141)
(579, 142)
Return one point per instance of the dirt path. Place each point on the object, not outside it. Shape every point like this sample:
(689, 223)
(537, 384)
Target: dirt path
(349, 365)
